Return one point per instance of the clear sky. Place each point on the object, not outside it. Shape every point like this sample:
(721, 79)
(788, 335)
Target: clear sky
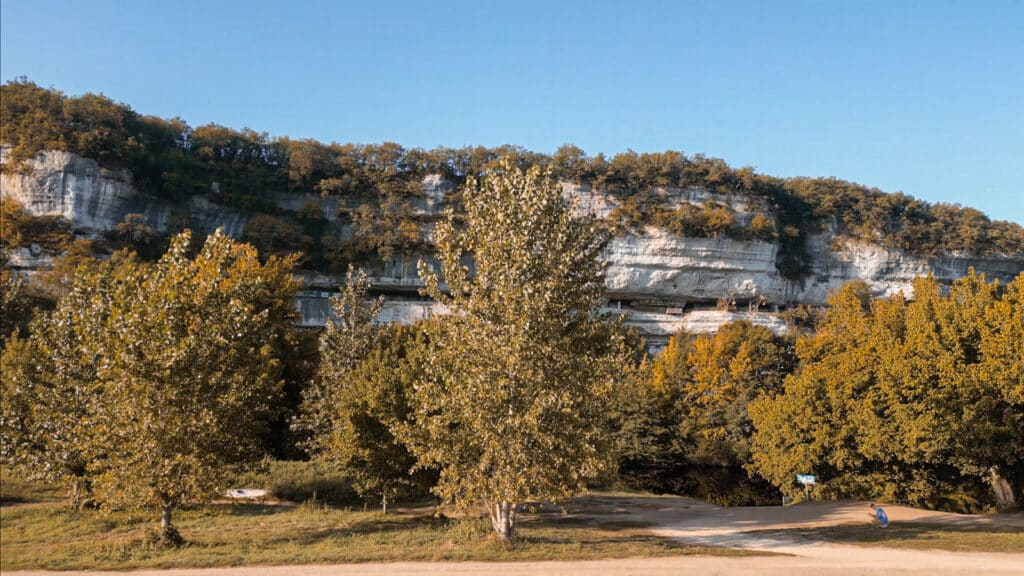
(923, 97)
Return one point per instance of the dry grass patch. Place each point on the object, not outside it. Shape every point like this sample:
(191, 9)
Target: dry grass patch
(14, 488)
(51, 537)
(919, 536)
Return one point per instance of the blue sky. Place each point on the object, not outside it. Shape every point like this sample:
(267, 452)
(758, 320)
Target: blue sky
(921, 97)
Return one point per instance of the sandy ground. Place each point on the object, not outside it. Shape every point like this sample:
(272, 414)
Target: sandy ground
(702, 523)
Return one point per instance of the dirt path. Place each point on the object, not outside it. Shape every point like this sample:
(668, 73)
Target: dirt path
(699, 522)
(702, 523)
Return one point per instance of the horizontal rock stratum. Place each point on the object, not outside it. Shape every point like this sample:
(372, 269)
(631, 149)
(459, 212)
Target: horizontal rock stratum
(661, 282)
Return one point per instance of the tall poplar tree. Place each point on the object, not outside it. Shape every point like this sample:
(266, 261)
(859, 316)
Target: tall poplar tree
(514, 398)
(347, 340)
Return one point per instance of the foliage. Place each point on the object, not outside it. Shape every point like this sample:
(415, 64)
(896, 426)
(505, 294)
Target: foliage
(190, 371)
(15, 308)
(56, 283)
(275, 237)
(514, 396)
(133, 233)
(345, 342)
(643, 421)
(53, 394)
(372, 400)
(689, 404)
(301, 481)
(17, 486)
(149, 381)
(727, 371)
(907, 401)
(20, 229)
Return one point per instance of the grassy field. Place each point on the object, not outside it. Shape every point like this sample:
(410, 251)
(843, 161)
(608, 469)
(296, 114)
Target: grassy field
(51, 537)
(15, 489)
(920, 536)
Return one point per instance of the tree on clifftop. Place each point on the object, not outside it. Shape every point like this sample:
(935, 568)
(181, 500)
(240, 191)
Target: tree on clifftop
(514, 396)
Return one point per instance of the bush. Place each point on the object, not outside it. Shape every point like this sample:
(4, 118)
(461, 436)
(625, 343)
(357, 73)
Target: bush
(468, 530)
(297, 481)
(21, 229)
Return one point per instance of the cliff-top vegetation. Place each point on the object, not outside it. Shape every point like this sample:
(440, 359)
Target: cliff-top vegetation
(375, 185)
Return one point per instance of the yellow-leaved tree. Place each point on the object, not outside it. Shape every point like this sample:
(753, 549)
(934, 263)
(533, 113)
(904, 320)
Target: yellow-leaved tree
(512, 404)
(191, 375)
(52, 393)
(914, 401)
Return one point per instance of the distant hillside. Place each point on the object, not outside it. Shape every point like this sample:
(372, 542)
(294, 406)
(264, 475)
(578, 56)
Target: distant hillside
(375, 188)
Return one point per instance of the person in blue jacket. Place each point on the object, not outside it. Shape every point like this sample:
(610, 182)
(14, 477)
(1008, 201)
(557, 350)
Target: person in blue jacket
(878, 514)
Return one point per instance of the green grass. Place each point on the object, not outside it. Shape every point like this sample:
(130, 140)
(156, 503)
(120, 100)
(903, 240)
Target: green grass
(51, 537)
(919, 536)
(14, 488)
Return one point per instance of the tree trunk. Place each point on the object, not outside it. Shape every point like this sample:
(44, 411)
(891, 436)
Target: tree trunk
(76, 495)
(384, 503)
(1002, 490)
(165, 519)
(503, 519)
(168, 535)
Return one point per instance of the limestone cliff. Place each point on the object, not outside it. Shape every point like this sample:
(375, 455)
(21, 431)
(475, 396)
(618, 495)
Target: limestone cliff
(662, 282)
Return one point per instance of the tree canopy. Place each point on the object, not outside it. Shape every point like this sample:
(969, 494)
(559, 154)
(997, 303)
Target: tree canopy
(511, 406)
(911, 401)
(150, 381)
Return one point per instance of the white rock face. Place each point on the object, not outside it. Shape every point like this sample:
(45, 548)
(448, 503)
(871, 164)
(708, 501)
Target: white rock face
(28, 258)
(886, 271)
(653, 273)
(661, 326)
(314, 309)
(63, 184)
(662, 266)
(56, 183)
(433, 191)
(205, 215)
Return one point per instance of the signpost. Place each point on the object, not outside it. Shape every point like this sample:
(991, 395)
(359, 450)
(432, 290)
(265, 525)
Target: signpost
(807, 480)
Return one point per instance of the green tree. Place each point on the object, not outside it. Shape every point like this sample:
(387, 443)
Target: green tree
(809, 428)
(990, 438)
(645, 413)
(190, 375)
(911, 401)
(727, 371)
(52, 394)
(642, 424)
(514, 398)
(368, 404)
(348, 338)
(273, 236)
(15, 307)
